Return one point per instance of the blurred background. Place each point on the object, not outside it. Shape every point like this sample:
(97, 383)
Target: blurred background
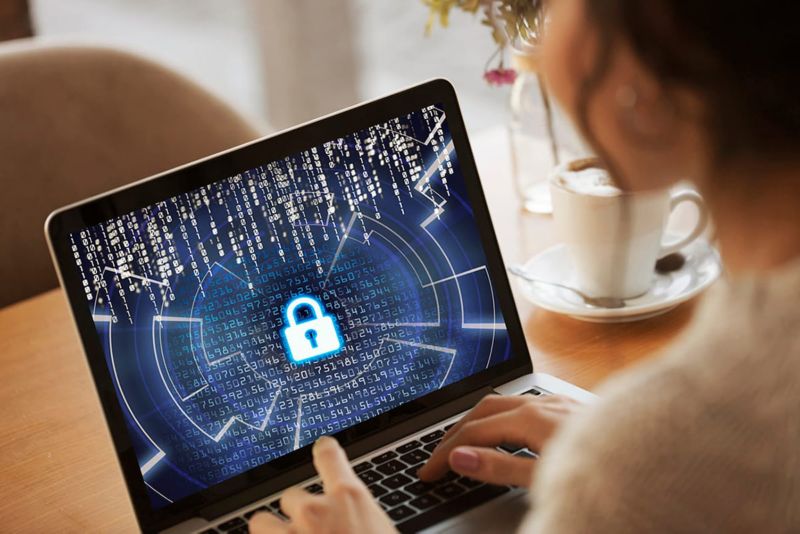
(281, 62)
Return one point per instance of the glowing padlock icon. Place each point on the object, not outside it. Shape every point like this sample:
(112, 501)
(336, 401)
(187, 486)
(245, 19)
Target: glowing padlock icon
(312, 337)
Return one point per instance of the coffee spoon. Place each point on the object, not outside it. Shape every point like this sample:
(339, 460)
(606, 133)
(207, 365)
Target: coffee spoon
(596, 302)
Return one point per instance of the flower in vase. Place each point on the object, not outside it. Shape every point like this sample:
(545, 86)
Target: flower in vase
(500, 76)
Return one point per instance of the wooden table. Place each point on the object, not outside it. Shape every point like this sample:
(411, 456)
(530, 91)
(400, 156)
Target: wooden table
(58, 471)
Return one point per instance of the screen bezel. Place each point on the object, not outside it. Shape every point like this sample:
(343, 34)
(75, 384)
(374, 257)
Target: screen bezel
(72, 218)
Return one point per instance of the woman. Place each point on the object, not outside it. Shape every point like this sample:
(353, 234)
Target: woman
(706, 438)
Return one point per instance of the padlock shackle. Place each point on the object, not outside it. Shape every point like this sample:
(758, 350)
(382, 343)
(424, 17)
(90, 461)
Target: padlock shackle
(301, 300)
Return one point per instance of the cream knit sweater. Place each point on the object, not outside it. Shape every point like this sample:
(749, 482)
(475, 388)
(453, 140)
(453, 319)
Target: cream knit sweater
(703, 439)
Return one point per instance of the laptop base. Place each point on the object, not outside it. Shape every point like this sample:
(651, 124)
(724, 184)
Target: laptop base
(483, 509)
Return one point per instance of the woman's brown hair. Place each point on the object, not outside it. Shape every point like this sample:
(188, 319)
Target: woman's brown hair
(740, 57)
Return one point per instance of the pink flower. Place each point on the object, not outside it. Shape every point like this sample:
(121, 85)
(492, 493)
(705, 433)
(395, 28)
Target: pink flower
(500, 76)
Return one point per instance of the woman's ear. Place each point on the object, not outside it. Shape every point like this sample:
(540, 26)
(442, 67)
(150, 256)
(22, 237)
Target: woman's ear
(645, 117)
(645, 110)
(651, 131)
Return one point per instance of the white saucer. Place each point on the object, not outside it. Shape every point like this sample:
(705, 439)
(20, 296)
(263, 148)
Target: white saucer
(701, 269)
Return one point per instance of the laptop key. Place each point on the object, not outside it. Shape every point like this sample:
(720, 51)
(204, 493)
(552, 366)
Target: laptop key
(396, 481)
(407, 447)
(239, 530)
(448, 477)
(210, 531)
(368, 477)
(400, 513)
(451, 425)
(436, 435)
(385, 457)
(449, 509)
(424, 502)
(363, 466)
(419, 488)
(276, 505)
(533, 392)
(391, 467)
(412, 471)
(230, 524)
(314, 488)
(431, 446)
(377, 490)
(469, 482)
(394, 498)
(415, 457)
(449, 491)
(251, 513)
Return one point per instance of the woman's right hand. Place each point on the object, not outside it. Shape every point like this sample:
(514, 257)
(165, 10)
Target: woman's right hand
(469, 447)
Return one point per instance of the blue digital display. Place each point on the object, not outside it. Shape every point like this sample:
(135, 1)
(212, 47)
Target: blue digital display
(189, 297)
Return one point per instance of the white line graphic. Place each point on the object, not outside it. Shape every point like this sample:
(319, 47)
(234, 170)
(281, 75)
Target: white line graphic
(484, 326)
(149, 464)
(435, 129)
(161, 364)
(329, 198)
(423, 187)
(339, 248)
(167, 319)
(398, 323)
(299, 422)
(161, 319)
(426, 142)
(446, 350)
(126, 274)
(457, 275)
(192, 394)
(261, 427)
(122, 394)
(158, 492)
(225, 359)
(421, 345)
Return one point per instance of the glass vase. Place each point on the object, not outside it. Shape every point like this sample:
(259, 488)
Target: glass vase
(534, 147)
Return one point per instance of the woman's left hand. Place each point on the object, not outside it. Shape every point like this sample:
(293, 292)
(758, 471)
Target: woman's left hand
(469, 448)
(346, 506)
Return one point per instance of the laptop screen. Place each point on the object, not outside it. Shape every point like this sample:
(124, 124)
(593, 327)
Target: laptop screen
(243, 319)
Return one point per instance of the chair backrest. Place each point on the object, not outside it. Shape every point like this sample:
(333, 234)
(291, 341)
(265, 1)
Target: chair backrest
(79, 120)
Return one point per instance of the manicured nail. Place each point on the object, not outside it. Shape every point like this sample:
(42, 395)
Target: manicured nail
(464, 459)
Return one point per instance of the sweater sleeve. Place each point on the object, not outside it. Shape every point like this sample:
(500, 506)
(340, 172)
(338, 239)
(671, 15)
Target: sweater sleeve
(655, 454)
(703, 439)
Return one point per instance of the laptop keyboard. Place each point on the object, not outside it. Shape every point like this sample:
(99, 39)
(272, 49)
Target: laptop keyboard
(391, 477)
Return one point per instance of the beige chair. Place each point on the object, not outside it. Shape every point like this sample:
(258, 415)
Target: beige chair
(79, 120)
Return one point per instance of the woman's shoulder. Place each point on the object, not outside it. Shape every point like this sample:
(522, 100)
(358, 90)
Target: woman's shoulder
(742, 346)
(708, 426)
(746, 332)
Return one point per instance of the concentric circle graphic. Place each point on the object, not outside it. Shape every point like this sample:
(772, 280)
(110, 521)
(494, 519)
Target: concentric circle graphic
(189, 297)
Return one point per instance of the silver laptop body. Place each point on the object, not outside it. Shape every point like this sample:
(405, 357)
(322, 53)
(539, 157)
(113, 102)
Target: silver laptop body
(340, 278)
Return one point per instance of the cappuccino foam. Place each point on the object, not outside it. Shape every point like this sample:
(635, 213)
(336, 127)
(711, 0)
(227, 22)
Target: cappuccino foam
(591, 181)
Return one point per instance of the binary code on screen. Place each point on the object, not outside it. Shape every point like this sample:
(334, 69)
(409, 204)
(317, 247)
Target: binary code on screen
(189, 298)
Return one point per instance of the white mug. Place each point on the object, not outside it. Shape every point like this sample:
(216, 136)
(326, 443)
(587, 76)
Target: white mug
(608, 259)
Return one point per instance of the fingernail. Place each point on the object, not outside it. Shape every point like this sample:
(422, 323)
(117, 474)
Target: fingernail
(321, 442)
(464, 459)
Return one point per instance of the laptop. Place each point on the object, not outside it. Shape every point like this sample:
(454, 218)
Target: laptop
(339, 278)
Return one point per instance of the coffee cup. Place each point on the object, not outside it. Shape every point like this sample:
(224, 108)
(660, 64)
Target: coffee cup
(614, 237)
